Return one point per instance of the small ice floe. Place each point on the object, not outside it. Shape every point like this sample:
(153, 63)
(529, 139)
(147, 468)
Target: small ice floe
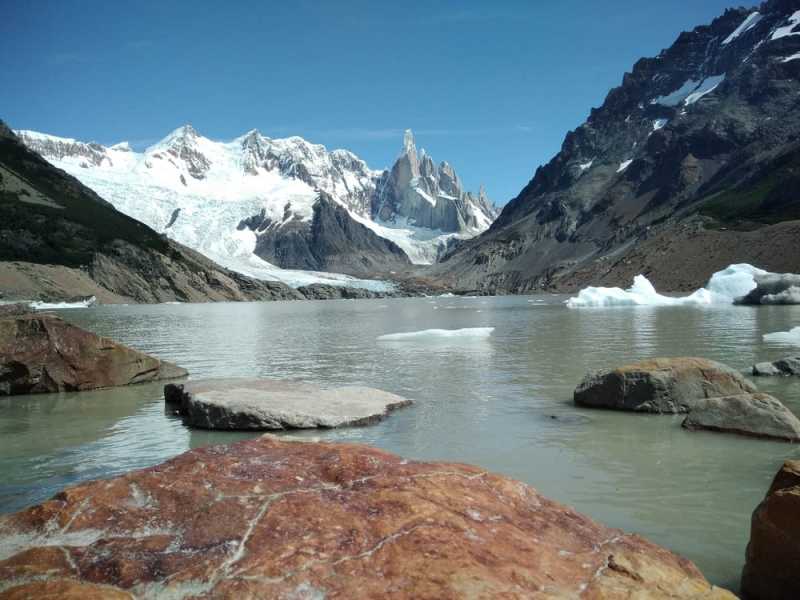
(438, 334)
(723, 288)
(784, 337)
(86, 303)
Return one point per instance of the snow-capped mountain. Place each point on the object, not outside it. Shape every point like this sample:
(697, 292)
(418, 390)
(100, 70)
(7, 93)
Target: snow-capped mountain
(253, 204)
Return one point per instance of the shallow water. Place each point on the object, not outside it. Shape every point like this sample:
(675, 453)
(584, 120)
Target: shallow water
(502, 402)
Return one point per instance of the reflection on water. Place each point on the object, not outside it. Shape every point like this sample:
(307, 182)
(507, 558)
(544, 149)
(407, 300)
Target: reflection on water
(502, 402)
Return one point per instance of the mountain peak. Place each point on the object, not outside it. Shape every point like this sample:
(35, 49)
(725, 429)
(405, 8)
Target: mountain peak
(408, 141)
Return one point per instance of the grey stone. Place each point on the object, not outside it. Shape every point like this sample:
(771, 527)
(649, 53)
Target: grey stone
(774, 288)
(660, 385)
(785, 366)
(270, 404)
(755, 415)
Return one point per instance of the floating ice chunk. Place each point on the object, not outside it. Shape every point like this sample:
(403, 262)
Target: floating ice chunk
(786, 31)
(722, 288)
(434, 334)
(659, 124)
(62, 305)
(749, 22)
(624, 165)
(734, 281)
(784, 337)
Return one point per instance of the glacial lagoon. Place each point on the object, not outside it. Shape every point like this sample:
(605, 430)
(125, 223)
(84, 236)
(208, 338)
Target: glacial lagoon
(502, 401)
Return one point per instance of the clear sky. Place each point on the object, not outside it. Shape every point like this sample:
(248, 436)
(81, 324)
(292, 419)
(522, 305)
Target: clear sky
(491, 87)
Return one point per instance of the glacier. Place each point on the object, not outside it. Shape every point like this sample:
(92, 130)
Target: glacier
(199, 191)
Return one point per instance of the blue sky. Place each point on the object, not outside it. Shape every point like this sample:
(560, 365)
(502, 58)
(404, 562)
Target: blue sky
(491, 87)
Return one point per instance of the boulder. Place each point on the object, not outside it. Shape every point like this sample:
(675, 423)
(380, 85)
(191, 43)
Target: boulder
(267, 518)
(773, 553)
(755, 415)
(660, 385)
(785, 366)
(271, 404)
(40, 352)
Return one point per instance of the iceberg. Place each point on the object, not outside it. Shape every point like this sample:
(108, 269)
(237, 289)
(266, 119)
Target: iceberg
(438, 334)
(784, 337)
(723, 287)
(62, 305)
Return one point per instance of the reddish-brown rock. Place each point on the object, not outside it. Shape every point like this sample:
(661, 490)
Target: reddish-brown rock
(267, 518)
(772, 569)
(43, 353)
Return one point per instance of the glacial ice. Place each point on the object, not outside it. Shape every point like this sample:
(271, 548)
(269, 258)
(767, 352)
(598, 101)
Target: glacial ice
(784, 337)
(722, 288)
(438, 334)
(36, 305)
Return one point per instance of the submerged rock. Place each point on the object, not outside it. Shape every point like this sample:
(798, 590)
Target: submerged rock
(43, 353)
(774, 288)
(773, 553)
(271, 404)
(267, 518)
(660, 385)
(785, 366)
(756, 415)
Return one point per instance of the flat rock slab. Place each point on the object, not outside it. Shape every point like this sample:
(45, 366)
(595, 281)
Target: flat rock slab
(660, 385)
(785, 366)
(43, 353)
(272, 404)
(755, 415)
(267, 518)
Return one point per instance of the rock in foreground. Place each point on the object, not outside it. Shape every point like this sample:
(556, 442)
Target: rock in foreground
(785, 366)
(660, 385)
(773, 554)
(755, 415)
(271, 404)
(43, 353)
(273, 519)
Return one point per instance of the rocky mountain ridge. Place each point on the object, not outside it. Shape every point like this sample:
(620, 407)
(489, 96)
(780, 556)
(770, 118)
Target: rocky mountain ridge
(706, 132)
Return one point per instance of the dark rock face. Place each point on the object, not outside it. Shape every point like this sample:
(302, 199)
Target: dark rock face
(42, 353)
(773, 553)
(754, 415)
(660, 385)
(322, 291)
(774, 288)
(49, 218)
(706, 128)
(331, 241)
(270, 404)
(274, 519)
